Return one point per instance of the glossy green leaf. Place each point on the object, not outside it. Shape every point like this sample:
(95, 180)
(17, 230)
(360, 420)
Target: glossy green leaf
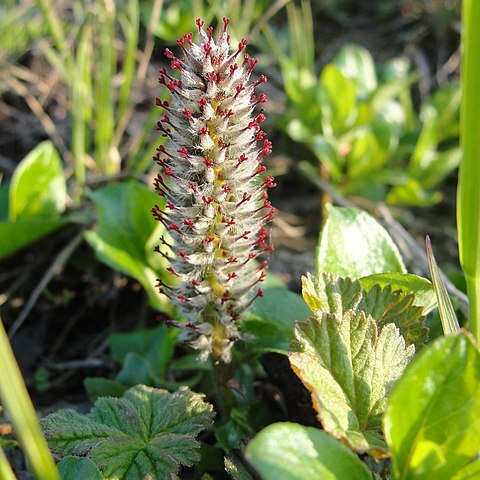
(407, 283)
(431, 423)
(38, 187)
(355, 62)
(445, 307)
(353, 244)
(350, 368)
(127, 233)
(328, 154)
(289, 451)
(146, 433)
(76, 468)
(268, 326)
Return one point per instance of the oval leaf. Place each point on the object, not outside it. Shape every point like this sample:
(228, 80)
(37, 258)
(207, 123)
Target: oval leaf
(431, 423)
(38, 187)
(353, 244)
(289, 451)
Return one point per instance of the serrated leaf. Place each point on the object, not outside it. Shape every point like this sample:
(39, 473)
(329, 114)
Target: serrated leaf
(147, 432)
(268, 326)
(328, 293)
(387, 306)
(76, 468)
(408, 283)
(350, 370)
(353, 244)
(127, 233)
(431, 423)
(289, 451)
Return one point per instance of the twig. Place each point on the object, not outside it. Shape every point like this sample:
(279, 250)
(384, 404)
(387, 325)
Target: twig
(405, 242)
(59, 260)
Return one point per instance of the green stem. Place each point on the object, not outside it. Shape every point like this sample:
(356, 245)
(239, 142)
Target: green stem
(17, 403)
(6, 472)
(222, 372)
(468, 195)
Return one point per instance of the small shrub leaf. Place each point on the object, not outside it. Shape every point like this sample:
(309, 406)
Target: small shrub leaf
(78, 468)
(350, 369)
(147, 432)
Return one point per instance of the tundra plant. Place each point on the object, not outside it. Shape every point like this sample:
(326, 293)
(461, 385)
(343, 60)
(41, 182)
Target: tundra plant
(216, 196)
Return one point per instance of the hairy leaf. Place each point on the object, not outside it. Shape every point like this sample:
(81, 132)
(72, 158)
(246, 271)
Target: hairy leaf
(431, 423)
(328, 293)
(386, 306)
(147, 432)
(407, 283)
(350, 370)
(289, 451)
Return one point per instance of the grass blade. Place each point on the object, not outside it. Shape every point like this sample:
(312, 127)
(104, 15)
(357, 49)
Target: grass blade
(447, 313)
(15, 399)
(6, 472)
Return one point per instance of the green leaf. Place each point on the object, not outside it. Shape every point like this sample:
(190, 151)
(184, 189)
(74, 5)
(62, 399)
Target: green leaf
(268, 326)
(38, 187)
(75, 468)
(328, 293)
(445, 307)
(350, 369)
(21, 233)
(289, 451)
(353, 244)
(156, 345)
(408, 283)
(388, 306)
(355, 62)
(327, 152)
(103, 387)
(127, 234)
(337, 100)
(135, 370)
(431, 423)
(412, 193)
(147, 432)
(469, 472)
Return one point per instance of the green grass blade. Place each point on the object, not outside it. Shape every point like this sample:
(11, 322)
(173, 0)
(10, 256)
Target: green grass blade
(107, 160)
(6, 472)
(81, 110)
(129, 21)
(17, 403)
(54, 24)
(468, 201)
(447, 313)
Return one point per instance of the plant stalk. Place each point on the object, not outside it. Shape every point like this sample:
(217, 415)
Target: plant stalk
(468, 194)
